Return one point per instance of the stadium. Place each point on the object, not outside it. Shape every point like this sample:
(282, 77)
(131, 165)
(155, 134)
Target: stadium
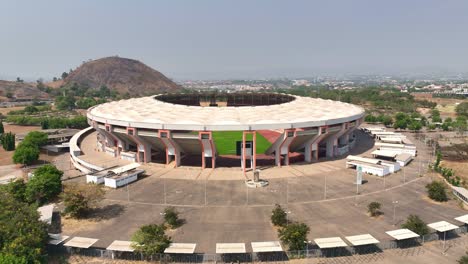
(243, 130)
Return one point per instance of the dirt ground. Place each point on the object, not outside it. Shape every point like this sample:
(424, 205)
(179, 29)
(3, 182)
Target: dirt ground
(446, 106)
(460, 168)
(5, 110)
(6, 156)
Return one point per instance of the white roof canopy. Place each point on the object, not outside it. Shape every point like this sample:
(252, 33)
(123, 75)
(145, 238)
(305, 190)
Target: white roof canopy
(360, 240)
(119, 245)
(227, 248)
(46, 212)
(463, 218)
(81, 242)
(270, 246)
(181, 248)
(298, 113)
(384, 153)
(56, 239)
(442, 226)
(401, 234)
(330, 242)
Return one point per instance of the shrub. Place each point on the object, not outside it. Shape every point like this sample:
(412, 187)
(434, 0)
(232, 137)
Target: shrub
(45, 185)
(171, 217)
(26, 154)
(80, 199)
(374, 208)
(463, 259)
(35, 138)
(279, 216)
(436, 191)
(8, 141)
(294, 235)
(415, 224)
(150, 239)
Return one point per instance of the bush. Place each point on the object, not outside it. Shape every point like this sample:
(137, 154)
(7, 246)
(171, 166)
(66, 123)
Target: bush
(80, 199)
(374, 209)
(279, 216)
(171, 217)
(415, 224)
(294, 235)
(16, 189)
(150, 239)
(2, 129)
(436, 191)
(463, 259)
(45, 185)
(35, 138)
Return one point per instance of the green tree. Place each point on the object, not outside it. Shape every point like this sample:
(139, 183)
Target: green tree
(80, 199)
(85, 103)
(8, 141)
(401, 124)
(463, 259)
(415, 224)
(278, 216)
(373, 208)
(294, 235)
(171, 217)
(22, 235)
(436, 191)
(415, 125)
(2, 129)
(16, 189)
(64, 75)
(35, 138)
(150, 239)
(26, 154)
(45, 185)
(462, 109)
(65, 102)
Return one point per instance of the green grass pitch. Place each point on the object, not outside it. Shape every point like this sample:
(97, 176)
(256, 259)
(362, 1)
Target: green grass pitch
(225, 142)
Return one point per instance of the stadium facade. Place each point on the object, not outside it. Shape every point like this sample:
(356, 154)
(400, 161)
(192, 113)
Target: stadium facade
(168, 128)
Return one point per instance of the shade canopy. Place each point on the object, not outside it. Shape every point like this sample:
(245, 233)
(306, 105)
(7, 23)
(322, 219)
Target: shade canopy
(119, 245)
(56, 239)
(226, 248)
(463, 218)
(360, 240)
(442, 226)
(269, 246)
(330, 242)
(401, 234)
(81, 242)
(181, 248)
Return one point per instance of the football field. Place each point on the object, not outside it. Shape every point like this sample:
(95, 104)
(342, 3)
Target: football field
(225, 142)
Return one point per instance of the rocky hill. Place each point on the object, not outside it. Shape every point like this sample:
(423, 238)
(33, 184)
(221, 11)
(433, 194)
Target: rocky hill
(123, 75)
(20, 91)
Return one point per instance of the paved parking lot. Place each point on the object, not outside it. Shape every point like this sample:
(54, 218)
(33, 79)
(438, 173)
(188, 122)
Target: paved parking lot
(219, 209)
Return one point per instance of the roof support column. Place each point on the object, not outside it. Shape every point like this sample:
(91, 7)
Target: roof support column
(313, 145)
(207, 145)
(172, 149)
(141, 146)
(283, 149)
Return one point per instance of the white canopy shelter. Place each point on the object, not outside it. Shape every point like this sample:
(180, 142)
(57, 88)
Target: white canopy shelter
(402, 234)
(56, 239)
(330, 242)
(384, 153)
(270, 246)
(119, 245)
(442, 226)
(361, 240)
(81, 242)
(46, 213)
(230, 248)
(181, 248)
(463, 218)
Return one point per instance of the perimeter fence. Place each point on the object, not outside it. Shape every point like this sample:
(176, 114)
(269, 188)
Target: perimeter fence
(358, 254)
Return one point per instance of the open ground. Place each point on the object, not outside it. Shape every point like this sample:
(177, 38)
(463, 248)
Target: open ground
(218, 207)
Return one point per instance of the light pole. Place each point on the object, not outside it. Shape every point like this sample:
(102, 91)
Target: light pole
(394, 211)
(287, 217)
(325, 188)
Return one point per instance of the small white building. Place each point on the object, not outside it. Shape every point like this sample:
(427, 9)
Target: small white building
(402, 159)
(397, 148)
(97, 178)
(122, 179)
(368, 165)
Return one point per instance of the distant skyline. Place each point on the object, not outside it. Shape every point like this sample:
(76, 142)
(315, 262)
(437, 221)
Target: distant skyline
(221, 39)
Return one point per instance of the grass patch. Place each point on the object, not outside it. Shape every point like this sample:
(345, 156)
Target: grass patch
(225, 142)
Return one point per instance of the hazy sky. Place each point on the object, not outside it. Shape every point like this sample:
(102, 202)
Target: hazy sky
(235, 39)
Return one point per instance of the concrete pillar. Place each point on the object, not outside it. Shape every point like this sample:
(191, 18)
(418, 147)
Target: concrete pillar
(208, 149)
(142, 145)
(254, 150)
(288, 137)
(313, 144)
(172, 148)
